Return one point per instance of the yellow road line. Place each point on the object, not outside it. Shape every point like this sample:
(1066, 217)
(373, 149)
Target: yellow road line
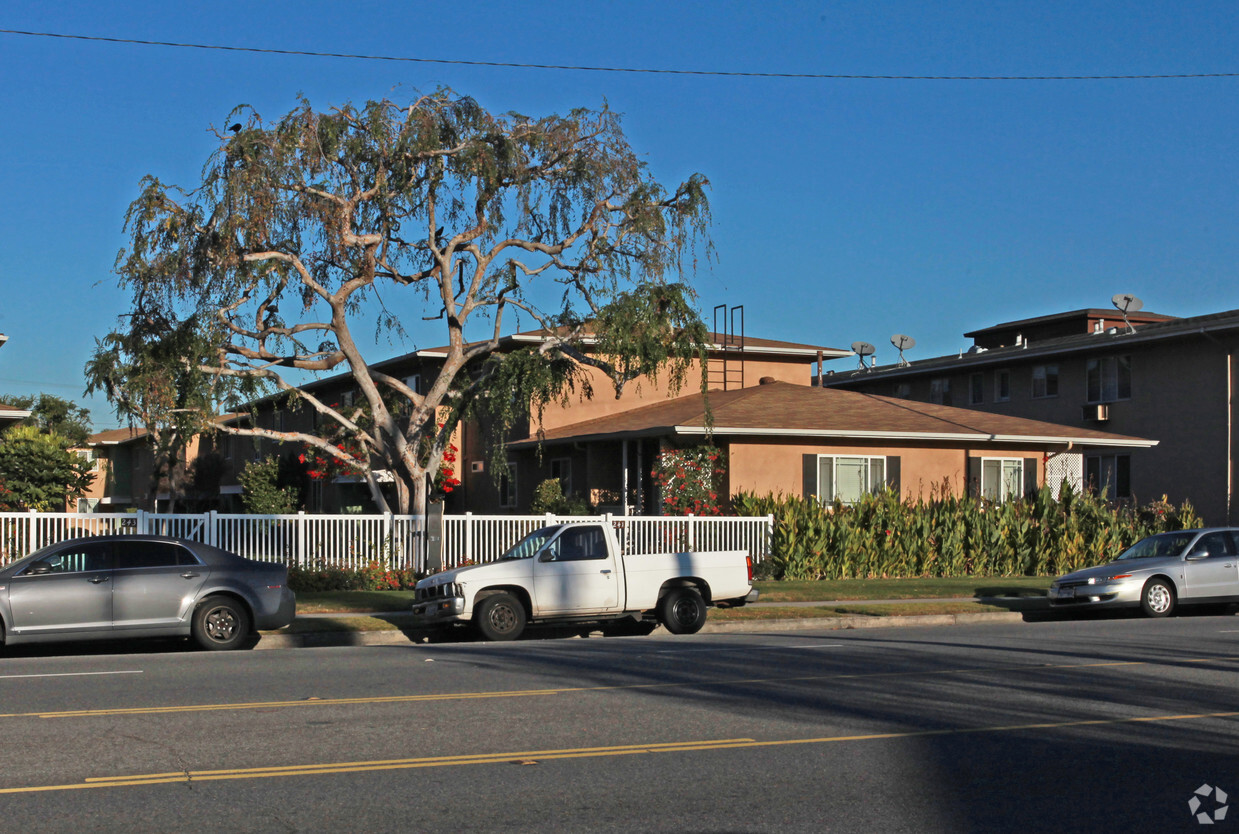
(569, 753)
(526, 693)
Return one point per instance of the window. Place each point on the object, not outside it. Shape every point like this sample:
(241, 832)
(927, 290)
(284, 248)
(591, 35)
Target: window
(561, 469)
(940, 391)
(903, 391)
(1220, 545)
(976, 389)
(90, 556)
(1044, 381)
(507, 486)
(152, 555)
(848, 478)
(1109, 379)
(1109, 475)
(1002, 386)
(414, 382)
(92, 457)
(1002, 478)
(579, 543)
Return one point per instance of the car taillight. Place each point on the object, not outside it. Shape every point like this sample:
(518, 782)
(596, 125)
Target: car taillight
(748, 560)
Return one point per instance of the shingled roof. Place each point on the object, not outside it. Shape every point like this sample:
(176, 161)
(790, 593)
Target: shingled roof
(781, 409)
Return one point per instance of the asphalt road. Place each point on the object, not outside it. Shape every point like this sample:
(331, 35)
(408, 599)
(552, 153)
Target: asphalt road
(1096, 725)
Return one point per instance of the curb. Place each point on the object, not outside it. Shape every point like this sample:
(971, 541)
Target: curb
(396, 637)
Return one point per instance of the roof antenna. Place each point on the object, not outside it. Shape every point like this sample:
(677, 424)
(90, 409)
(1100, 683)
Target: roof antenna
(863, 349)
(1127, 303)
(903, 343)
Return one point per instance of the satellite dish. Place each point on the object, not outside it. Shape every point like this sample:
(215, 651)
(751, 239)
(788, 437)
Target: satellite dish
(863, 349)
(1127, 303)
(903, 343)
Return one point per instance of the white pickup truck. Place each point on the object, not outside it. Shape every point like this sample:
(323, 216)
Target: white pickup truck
(575, 572)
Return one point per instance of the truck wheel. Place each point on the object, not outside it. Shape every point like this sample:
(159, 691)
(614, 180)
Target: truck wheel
(682, 611)
(500, 617)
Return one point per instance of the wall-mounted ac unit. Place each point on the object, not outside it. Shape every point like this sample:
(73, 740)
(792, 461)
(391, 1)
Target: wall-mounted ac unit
(477, 466)
(1097, 411)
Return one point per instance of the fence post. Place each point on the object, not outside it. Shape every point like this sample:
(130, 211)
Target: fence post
(468, 554)
(299, 550)
(32, 531)
(387, 550)
(212, 534)
(140, 523)
(692, 538)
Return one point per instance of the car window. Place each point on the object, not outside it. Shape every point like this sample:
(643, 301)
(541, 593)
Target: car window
(77, 558)
(1161, 545)
(1218, 545)
(578, 544)
(152, 555)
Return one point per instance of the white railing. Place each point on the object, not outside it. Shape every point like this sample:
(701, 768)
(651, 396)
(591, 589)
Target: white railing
(353, 541)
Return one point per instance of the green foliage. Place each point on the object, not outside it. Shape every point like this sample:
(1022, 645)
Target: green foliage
(948, 535)
(266, 487)
(38, 471)
(548, 497)
(690, 481)
(376, 576)
(54, 415)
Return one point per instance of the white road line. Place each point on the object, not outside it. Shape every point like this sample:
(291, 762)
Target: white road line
(72, 674)
(749, 648)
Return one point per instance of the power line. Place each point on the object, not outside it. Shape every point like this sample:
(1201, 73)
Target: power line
(645, 70)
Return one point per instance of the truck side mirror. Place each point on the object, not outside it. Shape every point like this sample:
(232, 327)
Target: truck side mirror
(546, 556)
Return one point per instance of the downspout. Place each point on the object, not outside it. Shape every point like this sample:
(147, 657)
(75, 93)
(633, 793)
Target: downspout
(624, 483)
(1230, 437)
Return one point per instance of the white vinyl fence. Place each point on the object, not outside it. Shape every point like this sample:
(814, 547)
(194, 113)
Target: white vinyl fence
(353, 541)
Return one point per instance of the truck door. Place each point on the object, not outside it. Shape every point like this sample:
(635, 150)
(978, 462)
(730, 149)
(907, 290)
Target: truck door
(576, 573)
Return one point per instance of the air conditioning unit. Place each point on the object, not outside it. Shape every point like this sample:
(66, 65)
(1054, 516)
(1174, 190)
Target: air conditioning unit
(1097, 411)
(477, 466)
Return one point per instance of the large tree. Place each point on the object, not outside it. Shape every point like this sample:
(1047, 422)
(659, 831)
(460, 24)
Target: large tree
(38, 471)
(55, 415)
(308, 233)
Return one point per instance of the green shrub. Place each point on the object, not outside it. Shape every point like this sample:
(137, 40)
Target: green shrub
(376, 576)
(548, 497)
(948, 535)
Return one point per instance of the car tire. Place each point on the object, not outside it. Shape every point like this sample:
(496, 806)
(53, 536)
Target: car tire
(1157, 599)
(682, 611)
(220, 624)
(500, 617)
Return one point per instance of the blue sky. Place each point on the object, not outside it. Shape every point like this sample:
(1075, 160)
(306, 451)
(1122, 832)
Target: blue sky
(844, 210)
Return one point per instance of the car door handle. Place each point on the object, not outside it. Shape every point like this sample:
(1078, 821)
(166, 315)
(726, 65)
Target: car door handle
(189, 574)
(95, 580)
(608, 570)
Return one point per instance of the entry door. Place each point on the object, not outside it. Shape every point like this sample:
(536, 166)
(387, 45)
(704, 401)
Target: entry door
(69, 590)
(154, 584)
(579, 574)
(1215, 576)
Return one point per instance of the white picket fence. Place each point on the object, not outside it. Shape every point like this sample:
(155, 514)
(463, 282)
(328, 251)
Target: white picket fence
(353, 541)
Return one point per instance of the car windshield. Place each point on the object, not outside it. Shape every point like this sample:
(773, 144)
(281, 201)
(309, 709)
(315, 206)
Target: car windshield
(531, 544)
(1161, 545)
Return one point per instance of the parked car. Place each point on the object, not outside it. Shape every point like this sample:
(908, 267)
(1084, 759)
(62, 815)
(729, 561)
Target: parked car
(141, 586)
(1159, 573)
(576, 572)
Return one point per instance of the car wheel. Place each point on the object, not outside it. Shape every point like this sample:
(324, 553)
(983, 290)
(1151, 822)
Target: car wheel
(1157, 598)
(682, 611)
(500, 617)
(220, 623)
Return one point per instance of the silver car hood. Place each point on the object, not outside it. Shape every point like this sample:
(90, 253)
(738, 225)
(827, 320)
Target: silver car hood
(1111, 568)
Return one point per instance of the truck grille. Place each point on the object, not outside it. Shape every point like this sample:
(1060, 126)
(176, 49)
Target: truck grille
(435, 592)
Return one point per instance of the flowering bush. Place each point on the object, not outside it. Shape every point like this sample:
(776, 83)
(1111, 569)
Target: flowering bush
(690, 480)
(375, 576)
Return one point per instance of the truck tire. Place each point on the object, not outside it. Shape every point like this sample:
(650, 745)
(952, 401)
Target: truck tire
(500, 617)
(682, 611)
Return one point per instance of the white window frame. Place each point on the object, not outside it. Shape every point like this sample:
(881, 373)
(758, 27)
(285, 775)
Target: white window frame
(1002, 385)
(507, 486)
(875, 469)
(1042, 374)
(1010, 478)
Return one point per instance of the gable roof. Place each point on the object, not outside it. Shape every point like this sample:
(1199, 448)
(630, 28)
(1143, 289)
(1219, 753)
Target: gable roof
(9, 412)
(782, 409)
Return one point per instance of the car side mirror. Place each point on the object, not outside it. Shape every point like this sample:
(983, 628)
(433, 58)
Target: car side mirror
(1197, 555)
(546, 556)
(39, 568)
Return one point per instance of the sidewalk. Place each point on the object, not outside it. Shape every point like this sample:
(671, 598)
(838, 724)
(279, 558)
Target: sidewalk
(409, 635)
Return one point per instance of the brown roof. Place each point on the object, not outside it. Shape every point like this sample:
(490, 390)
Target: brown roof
(783, 409)
(718, 342)
(12, 412)
(115, 436)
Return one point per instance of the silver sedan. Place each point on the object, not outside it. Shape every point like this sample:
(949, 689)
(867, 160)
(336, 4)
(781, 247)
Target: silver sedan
(141, 586)
(1159, 573)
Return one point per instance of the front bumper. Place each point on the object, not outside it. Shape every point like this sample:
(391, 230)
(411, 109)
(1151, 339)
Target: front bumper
(1109, 594)
(433, 612)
